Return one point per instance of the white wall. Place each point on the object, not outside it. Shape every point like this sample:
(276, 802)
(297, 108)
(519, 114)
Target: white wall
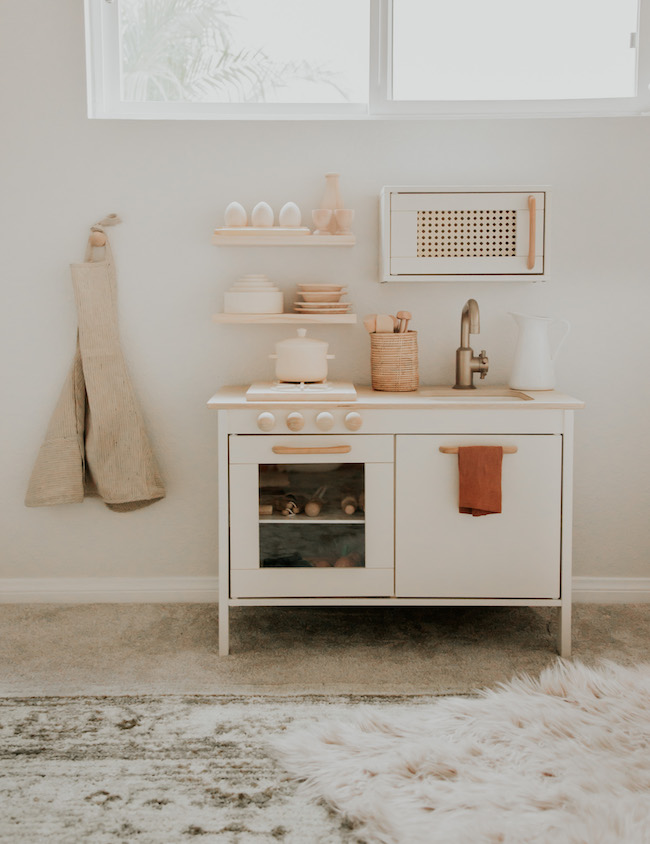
(60, 172)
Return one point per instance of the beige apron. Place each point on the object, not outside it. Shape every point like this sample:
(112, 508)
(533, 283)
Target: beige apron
(96, 443)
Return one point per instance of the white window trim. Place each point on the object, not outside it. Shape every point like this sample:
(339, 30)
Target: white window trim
(102, 60)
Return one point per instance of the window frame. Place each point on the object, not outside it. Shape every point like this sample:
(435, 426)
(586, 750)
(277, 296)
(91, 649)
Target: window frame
(102, 63)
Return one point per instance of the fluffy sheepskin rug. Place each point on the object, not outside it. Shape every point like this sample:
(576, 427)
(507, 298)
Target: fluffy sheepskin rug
(563, 759)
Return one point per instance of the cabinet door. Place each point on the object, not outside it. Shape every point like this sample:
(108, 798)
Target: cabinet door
(441, 553)
(451, 235)
(329, 553)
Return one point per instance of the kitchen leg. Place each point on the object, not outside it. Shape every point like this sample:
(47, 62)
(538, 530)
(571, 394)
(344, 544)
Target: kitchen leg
(564, 632)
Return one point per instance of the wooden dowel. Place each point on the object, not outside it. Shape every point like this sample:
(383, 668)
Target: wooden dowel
(329, 449)
(532, 205)
(451, 449)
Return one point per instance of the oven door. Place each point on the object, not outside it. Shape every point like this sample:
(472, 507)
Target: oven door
(344, 549)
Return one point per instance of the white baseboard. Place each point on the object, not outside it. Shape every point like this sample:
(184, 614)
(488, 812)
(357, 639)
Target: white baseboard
(156, 590)
(611, 590)
(108, 590)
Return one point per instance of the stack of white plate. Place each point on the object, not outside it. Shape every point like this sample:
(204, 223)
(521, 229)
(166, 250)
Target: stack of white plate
(321, 299)
(253, 294)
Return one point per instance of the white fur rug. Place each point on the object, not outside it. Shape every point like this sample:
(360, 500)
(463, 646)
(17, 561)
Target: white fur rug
(563, 759)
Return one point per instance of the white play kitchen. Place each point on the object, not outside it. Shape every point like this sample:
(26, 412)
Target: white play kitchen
(335, 494)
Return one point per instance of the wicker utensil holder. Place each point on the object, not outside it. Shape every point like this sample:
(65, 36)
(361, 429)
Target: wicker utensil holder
(394, 361)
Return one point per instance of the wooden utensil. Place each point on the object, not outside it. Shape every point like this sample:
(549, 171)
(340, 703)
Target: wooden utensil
(384, 324)
(395, 324)
(404, 317)
(370, 323)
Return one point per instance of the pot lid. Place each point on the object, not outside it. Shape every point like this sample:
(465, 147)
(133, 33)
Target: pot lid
(301, 341)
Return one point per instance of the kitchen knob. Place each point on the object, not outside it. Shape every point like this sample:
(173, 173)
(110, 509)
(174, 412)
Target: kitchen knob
(325, 421)
(353, 421)
(265, 421)
(295, 421)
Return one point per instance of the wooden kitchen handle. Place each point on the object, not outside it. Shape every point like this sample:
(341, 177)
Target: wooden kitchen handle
(329, 449)
(453, 449)
(532, 208)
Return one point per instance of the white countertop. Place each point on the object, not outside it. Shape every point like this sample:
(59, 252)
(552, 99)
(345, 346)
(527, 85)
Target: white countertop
(434, 397)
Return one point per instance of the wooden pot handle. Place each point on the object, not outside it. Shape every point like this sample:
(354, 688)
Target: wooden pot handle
(450, 449)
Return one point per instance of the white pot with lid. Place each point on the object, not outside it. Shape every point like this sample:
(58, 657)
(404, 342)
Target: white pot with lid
(301, 358)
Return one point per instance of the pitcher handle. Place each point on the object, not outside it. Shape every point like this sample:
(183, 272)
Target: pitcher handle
(567, 329)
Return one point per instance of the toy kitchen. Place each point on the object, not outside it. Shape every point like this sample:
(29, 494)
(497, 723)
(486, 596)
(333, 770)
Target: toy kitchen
(337, 494)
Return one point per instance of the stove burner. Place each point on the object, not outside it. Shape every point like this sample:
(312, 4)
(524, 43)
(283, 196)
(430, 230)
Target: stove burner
(303, 386)
(303, 391)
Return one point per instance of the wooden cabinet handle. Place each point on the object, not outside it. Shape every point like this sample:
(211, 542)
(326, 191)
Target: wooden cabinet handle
(451, 449)
(329, 449)
(532, 207)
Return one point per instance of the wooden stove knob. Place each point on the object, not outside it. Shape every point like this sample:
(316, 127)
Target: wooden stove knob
(295, 421)
(265, 421)
(325, 421)
(353, 421)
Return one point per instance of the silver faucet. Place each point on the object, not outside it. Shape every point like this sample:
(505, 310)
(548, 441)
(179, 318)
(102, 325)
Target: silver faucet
(466, 362)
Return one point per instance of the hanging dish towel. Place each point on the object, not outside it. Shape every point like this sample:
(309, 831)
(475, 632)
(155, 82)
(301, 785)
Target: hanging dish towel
(96, 443)
(479, 475)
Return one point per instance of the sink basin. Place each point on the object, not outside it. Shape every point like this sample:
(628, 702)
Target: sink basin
(487, 395)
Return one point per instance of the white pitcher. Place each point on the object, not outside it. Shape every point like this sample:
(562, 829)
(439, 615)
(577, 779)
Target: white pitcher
(532, 367)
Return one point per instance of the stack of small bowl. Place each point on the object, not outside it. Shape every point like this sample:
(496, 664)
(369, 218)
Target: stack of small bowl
(253, 294)
(321, 299)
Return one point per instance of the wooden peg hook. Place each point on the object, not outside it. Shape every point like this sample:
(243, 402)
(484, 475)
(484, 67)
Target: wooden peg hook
(97, 239)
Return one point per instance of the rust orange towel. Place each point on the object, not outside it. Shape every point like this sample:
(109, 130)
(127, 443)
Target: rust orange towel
(479, 475)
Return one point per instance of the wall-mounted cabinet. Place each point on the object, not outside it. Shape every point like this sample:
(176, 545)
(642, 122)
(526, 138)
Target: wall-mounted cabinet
(464, 234)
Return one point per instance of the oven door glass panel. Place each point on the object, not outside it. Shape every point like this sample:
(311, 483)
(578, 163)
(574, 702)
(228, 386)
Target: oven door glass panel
(311, 515)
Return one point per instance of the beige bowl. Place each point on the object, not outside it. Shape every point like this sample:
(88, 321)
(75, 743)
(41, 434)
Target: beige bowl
(320, 288)
(327, 296)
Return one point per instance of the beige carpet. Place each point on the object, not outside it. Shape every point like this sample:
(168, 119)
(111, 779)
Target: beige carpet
(124, 649)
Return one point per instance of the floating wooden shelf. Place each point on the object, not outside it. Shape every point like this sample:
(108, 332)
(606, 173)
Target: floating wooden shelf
(277, 319)
(226, 239)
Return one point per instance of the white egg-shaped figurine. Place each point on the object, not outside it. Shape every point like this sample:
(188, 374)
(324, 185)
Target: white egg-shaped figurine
(290, 215)
(262, 215)
(235, 215)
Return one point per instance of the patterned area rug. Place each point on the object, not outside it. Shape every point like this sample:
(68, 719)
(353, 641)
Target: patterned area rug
(163, 769)
(563, 759)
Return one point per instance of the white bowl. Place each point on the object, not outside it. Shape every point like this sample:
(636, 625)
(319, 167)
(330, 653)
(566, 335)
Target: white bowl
(253, 302)
(244, 288)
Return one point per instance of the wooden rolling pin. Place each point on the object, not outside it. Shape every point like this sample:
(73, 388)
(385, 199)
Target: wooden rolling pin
(315, 503)
(349, 505)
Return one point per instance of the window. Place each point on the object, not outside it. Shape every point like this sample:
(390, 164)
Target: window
(366, 58)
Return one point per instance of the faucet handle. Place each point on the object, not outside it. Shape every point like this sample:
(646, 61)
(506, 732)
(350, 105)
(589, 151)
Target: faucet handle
(483, 363)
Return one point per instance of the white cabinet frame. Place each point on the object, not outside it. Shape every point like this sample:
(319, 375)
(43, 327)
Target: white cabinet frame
(103, 73)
